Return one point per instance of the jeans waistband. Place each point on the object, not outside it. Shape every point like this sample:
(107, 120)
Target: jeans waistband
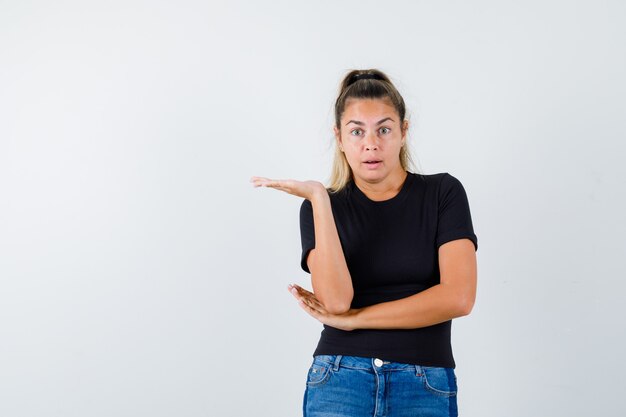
(358, 362)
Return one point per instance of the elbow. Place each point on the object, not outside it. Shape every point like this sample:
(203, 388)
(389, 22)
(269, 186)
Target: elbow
(335, 300)
(338, 308)
(460, 301)
(465, 306)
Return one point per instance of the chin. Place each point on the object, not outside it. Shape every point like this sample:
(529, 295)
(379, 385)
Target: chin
(373, 174)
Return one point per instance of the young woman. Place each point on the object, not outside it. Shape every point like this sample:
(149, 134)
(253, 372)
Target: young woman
(392, 260)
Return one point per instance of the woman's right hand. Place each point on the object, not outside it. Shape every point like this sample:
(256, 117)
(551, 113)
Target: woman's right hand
(304, 189)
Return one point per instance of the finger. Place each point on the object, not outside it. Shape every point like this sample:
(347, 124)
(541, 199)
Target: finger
(259, 180)
(305, 300)
(313, 299)
(308, 309)
(265, 182)
(313, 305)
(309, 296)
(303, 290)
(295, 287)
(295, 293)
(314, 302)
(276, 185)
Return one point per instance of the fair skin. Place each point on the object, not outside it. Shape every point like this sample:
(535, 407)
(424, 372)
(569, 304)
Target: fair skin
(370, 130)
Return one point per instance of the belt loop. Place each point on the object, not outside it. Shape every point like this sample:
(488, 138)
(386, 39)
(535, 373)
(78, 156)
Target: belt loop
(337, 360)
(418, 370)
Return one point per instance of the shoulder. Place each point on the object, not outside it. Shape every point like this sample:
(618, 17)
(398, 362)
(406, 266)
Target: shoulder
(445, 181)
(443, 186)
(437, 180)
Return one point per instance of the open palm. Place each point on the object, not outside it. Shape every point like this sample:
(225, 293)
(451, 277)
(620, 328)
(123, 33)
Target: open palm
(304, 189)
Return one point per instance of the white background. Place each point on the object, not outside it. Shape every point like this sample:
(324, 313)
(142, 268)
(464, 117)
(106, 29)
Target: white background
(142, 274)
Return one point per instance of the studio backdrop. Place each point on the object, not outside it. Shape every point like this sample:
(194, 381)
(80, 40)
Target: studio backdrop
(141, 274)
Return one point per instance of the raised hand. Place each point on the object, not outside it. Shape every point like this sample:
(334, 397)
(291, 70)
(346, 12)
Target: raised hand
(304, 189)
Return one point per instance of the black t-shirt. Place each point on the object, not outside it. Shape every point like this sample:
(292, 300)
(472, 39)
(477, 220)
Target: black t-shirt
(391, 249)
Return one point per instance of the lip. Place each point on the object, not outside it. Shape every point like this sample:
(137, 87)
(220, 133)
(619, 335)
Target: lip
(372, 166)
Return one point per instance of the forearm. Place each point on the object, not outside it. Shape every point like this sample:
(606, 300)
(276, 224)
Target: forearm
(330, 277)
(435, 305)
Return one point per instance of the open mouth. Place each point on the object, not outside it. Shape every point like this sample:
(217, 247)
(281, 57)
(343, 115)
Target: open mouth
(372, 164)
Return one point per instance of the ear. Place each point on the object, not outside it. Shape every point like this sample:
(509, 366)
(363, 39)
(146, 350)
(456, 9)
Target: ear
(405, 129)
(338, 137)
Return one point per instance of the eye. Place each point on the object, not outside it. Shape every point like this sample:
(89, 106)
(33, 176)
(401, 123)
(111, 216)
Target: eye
(388, 130)
(354, 130)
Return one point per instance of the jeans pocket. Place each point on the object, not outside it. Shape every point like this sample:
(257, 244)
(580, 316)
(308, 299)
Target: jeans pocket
(319, 372)
(439, 380)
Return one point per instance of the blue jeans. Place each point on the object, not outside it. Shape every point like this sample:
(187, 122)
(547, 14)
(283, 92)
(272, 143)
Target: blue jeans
(353, 386)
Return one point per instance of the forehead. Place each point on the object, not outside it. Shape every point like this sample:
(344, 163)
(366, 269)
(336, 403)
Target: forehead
(367, 108)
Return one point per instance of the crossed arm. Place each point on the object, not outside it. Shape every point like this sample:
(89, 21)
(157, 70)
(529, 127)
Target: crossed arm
(453, 297)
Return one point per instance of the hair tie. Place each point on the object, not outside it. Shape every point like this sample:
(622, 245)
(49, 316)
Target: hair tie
(366, 76)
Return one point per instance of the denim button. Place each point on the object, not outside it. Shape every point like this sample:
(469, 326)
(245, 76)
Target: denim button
(378, 362)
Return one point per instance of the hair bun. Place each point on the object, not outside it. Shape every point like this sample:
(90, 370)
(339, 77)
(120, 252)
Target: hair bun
(365, 76)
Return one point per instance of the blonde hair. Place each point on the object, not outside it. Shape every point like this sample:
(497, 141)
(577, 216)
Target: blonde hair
(378, 86)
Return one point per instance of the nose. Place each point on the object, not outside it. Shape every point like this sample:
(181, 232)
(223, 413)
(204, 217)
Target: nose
(370, 143)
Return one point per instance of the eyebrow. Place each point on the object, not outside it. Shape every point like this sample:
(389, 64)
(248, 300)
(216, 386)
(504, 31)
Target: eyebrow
(361, 123)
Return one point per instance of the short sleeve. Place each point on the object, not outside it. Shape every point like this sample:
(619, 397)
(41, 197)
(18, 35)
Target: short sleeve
(307, 232)
(454, 217)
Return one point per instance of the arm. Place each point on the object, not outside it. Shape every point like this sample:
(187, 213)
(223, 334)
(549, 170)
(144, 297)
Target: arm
(330, 277)
(453, 297)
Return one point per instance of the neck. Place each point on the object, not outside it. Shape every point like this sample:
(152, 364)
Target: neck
(386, 188)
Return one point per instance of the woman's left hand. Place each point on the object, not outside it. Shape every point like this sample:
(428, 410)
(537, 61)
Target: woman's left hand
(311, 305)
